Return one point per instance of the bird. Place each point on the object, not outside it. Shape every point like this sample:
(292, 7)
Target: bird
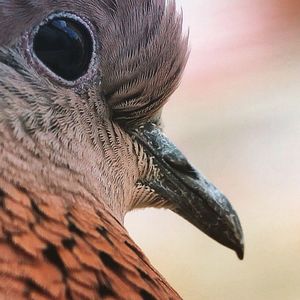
(82, 87)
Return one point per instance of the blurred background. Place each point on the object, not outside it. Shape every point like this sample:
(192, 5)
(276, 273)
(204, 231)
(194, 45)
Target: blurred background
(236, 117)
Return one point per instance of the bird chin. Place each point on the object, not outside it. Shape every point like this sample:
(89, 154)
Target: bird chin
(188, 192)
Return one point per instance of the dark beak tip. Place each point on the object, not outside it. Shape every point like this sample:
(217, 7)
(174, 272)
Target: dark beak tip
(240, 251)
(239, 245)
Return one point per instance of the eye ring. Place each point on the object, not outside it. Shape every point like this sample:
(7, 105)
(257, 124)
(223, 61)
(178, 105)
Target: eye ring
(63, 46)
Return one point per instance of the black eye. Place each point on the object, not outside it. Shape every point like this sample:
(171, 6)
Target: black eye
(65, 46)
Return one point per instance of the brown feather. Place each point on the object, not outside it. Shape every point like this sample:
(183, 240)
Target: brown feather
(73, 261)
(69, 169)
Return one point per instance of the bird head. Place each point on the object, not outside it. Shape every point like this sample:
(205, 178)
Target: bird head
(83, 84)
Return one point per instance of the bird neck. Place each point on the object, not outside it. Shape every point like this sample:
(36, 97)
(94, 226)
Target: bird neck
(67, 175)
(72, 240)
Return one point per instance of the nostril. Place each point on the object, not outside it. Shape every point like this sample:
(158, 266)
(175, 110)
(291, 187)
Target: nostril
(178, 162)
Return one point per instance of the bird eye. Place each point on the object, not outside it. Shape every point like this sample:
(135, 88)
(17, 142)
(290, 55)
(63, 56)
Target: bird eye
(65, 46)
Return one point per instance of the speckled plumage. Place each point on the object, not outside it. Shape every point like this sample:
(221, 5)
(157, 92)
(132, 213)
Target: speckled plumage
(121, 88)
(69, 253)
(75, 157)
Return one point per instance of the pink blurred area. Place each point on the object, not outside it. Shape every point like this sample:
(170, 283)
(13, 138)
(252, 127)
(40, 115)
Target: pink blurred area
(236, 117)
(233, 37)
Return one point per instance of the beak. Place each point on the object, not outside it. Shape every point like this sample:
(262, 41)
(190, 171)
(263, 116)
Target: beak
(188, 192)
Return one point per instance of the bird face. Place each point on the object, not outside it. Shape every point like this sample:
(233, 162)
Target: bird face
(82, 88)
